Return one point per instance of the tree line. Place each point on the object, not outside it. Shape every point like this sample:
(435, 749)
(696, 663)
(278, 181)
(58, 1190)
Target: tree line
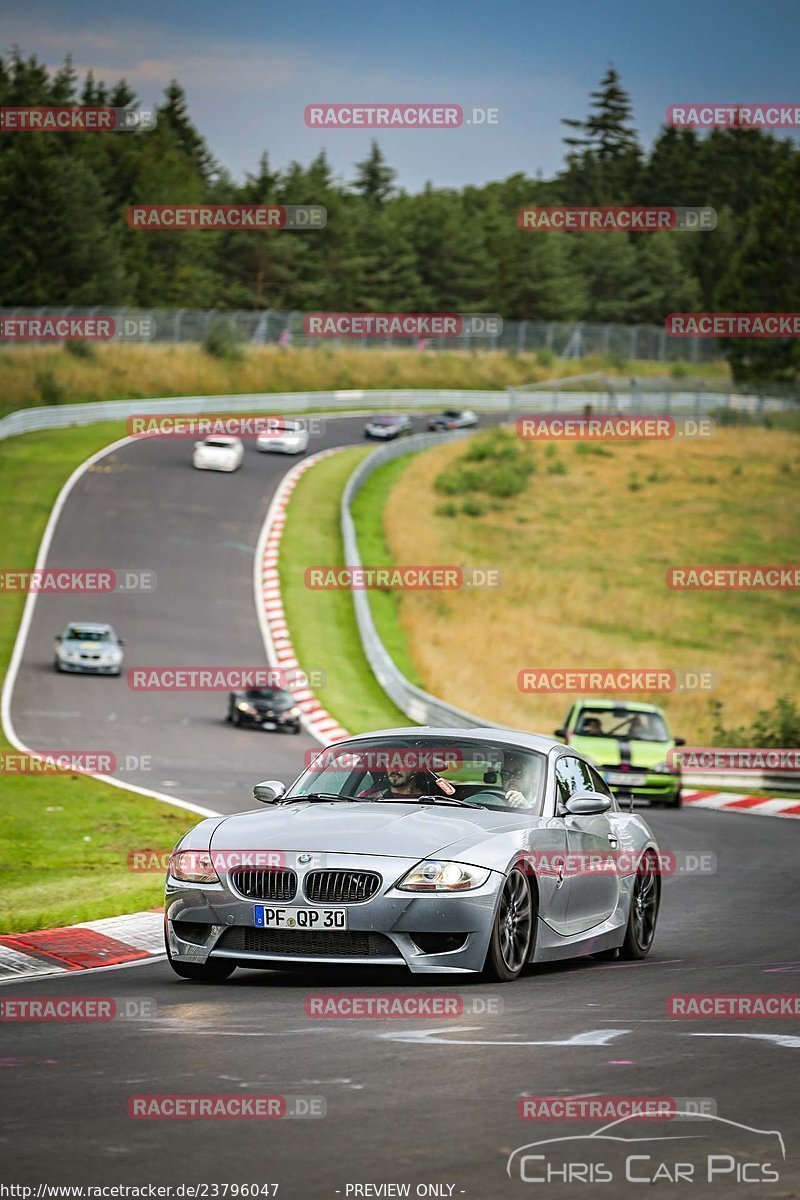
(64, 238)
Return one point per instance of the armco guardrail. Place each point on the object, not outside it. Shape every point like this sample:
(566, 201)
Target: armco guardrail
(419, 706)
(60, 416)
(422, 707)
(638, 397)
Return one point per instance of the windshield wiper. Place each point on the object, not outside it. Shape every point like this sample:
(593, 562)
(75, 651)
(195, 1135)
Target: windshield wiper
(322, 796)
(449, 800)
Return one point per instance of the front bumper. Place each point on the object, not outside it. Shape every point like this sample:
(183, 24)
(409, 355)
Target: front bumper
(655, 786)
(205, 921)
(89, 668)
(276, 722)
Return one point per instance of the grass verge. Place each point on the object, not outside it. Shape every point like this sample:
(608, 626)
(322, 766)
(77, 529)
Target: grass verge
(583, 553)
(322, 623)
(368, 510)
(64, 839)
(33, 375)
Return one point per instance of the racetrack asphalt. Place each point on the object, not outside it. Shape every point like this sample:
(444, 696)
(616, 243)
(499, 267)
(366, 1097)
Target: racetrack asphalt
(408, 1101)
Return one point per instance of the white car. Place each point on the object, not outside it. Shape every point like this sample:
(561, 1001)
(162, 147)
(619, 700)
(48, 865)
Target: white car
(218, 454)
(88, 648)
(285, 437)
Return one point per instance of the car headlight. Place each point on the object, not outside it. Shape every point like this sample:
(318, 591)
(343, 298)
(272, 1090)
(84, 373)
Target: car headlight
(294, 711)
(432, 875)
(243, 706)
(193, 866)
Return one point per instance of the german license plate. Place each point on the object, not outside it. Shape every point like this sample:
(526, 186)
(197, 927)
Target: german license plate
(624, 779)
(299, 918)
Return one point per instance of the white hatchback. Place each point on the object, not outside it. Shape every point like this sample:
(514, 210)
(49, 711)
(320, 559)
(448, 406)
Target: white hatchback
(218, 454)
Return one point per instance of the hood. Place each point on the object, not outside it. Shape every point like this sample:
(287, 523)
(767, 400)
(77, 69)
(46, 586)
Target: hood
(381, 829)
(609, 752)
(78, 645)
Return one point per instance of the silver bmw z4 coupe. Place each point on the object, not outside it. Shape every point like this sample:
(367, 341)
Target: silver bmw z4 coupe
(442, 850)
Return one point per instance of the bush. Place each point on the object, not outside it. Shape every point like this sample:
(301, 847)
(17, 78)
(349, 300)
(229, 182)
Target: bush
(49, 389)
(557, 468)
(449, 509)
(545, 358)
(774, 728)
(493, 463)
(473, 508)
(80, 349)
(222, 341)
(679, 370)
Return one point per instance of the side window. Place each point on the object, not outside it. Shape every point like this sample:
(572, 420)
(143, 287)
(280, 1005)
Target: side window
(569, 777)
(599, 784)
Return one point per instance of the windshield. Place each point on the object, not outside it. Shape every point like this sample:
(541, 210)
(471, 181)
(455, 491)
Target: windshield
(455, 770)
(218, 445)
(385, 420)
(270, 696)
(621, 724)
(76, 634)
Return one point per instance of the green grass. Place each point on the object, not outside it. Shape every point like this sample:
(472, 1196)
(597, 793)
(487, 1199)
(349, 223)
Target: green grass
(368, 509)
(322, 623)
(49, 873)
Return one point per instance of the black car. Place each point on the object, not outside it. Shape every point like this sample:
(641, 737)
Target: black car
(264, 708)
(386, 428)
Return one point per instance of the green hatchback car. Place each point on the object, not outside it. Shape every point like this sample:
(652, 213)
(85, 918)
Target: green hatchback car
(630, 743)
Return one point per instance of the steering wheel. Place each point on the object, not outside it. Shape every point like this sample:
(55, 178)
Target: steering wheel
(493, 792)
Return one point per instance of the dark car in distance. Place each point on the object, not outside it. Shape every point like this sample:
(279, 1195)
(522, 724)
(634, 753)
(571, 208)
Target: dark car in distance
(264, 708)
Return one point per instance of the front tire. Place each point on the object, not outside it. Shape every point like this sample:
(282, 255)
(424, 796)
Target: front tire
(512, 931)
(643, 913)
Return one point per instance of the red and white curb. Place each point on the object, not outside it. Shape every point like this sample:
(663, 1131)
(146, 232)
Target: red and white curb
(761, 806)
(111, 942)
(269, 604)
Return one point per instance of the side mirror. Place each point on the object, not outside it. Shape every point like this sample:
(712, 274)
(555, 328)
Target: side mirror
(59, 637)
(588, 804)
(197, 445)
(680, 741)
(120, 641)
(560, 733)
(270, 791)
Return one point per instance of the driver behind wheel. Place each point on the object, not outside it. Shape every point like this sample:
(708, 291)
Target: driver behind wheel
(398, 784)
(516, 782)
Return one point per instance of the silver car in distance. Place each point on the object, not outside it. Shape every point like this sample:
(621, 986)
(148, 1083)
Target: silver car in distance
(442, 850)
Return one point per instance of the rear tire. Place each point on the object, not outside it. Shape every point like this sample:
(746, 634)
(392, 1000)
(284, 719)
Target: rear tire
(513, 930)
(643, 914)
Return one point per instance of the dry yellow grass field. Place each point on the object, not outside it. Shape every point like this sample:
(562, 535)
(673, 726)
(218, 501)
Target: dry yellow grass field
(48, 374)
(584, 554)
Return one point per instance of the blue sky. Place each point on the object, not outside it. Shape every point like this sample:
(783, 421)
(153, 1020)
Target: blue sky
(251, 66)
